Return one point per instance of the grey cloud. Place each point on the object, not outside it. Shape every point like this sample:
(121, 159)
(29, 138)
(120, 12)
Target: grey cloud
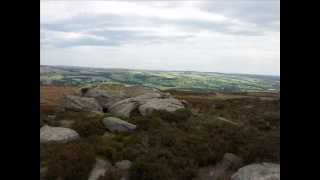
(260, 12)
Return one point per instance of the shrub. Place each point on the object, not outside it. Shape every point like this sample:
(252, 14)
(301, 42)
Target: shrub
(70, 161)
(89, 127)
(180, 115)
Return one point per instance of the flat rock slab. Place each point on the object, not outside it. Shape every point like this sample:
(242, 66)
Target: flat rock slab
(118, 125)
(57, 134)
(263, 171)
(167, 104)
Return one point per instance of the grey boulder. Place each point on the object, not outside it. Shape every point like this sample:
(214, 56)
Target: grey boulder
(118, 125)
(167, 104)
(57, 134)
(123, 108)
(77, 103)
(262, 171)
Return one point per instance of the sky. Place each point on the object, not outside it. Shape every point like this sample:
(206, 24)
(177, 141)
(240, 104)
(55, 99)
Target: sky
(234, 36)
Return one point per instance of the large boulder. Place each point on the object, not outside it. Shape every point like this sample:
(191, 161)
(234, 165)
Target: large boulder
(57, 134)
(145, 104)
(262, 171)
(99, 169)
(77, 103)
(117, 125)
(104, 98)
(166, 104)
(123, 108)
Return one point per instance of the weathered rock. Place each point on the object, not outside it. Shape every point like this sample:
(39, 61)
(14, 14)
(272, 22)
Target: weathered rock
(57, 134)
(167, 104)
(123, 108)
(77, 103)
(146, 97)
(262, 171)
(104, 98)
(123, 165)
(231, 161)
(100, 167)
(118, 125)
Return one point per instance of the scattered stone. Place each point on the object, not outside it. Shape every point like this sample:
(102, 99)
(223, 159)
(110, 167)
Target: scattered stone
(77, 103)
(123, 165)
(118, 125)
(262, 171)
(100, 167)
(57, 134)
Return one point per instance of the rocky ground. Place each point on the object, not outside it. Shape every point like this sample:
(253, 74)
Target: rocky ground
(118, 132)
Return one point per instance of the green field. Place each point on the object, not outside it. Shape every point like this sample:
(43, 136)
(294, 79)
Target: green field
(200, 81)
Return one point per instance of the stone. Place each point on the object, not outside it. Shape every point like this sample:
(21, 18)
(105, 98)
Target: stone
(77, 103)
(99, 169)
(57, 134)
(124, 164)
(167, 104)
(123, 108)
(261, 171)
(118, 125)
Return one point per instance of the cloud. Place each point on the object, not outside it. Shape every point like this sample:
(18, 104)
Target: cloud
(211, 30)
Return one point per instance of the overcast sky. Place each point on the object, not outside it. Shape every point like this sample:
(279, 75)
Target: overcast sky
(237, 36)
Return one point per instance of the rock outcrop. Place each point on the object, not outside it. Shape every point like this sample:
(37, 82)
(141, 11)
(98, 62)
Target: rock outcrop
(104, 98)
(77, 103)
(118, 125)
(145, 104)
(57, 134)
(123, 108)
(262, 171)
(167, 104)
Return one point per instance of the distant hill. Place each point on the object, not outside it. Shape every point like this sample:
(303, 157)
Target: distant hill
(164, 80)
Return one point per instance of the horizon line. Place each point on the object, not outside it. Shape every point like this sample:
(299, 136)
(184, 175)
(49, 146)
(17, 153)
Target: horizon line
(230, 73)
